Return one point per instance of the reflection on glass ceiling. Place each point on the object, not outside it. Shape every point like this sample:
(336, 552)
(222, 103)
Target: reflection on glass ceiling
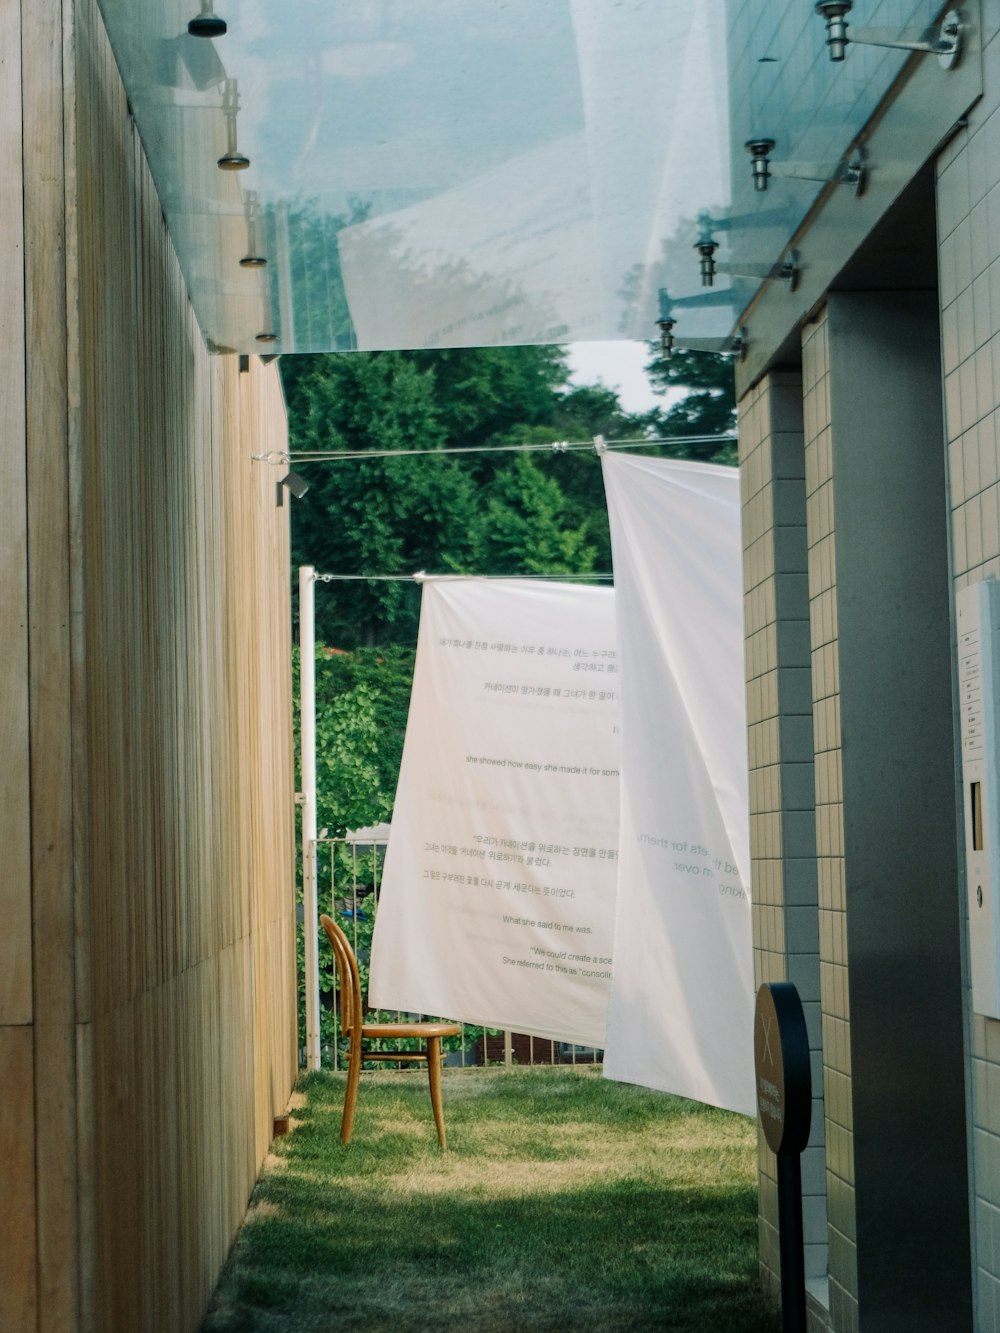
(424, 173)
(783, 87)
(429, 173)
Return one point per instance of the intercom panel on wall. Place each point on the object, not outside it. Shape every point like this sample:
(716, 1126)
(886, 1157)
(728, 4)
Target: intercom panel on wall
(978, 629)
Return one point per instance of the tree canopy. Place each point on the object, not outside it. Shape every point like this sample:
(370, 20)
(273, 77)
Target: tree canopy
(515, 513)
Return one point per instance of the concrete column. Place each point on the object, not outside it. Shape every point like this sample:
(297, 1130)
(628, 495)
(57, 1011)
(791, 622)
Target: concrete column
(886, 822)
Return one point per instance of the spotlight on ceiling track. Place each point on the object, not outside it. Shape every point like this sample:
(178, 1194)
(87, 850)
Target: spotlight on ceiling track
(232, 159)
(207, 23)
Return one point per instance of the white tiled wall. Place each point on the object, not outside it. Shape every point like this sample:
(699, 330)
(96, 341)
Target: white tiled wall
(968, 207)
(829, 824)
(783, 844)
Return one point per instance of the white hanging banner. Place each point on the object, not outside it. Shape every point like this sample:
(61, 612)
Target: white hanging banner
(497, 900)
(682, 996)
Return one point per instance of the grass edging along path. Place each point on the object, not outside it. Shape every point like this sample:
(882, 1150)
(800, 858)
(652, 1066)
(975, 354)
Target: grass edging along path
(565, 1201)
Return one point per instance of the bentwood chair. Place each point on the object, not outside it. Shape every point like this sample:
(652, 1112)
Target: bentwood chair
(357, 1032)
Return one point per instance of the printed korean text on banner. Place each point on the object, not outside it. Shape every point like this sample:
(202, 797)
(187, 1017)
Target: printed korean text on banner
(682, 995)
(497, 901)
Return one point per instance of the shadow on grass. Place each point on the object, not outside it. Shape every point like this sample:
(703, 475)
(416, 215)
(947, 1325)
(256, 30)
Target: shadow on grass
(513, 1229)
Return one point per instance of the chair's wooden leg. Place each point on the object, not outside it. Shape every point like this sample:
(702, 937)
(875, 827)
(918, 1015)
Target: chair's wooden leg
(351, 1096)
(434, 1077)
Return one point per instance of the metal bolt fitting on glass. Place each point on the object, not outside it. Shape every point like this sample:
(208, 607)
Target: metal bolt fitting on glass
(665, 323)
(254, 258)
(706, 248)
(786, 270)
(851, 171)
(666, 327)
(835, 13)
(207, 23)
(739, 343)
(943, 39)
(232, 159)
(760, 152)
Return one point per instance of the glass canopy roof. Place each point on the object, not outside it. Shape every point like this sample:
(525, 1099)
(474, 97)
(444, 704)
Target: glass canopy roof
(368, 174)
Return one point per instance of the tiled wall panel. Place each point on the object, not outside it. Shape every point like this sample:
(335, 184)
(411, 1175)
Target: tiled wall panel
(968, 216)
(786, 943)
(829, 822)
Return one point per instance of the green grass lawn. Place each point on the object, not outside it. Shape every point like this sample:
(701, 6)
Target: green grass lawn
(565, 1201)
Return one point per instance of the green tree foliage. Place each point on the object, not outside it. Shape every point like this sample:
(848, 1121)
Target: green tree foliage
(432, 512)
(708, 407)
(362, 698)
(491, 394)
(540, 512)
(500, 513)
(445, 512)
(387, 515)
(524, 529)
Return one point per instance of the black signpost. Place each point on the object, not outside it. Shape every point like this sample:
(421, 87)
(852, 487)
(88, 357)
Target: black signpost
(784, 1104)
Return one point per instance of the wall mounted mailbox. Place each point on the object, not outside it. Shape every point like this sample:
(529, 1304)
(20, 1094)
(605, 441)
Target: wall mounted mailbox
(977, 617)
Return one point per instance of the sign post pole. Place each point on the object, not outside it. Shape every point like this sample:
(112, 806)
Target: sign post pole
(307, 735)
(784, 1106)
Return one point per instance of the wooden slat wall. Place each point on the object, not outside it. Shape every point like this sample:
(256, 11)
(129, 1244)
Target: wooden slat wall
(18, 1251)
(147, 1032)
(52, 669)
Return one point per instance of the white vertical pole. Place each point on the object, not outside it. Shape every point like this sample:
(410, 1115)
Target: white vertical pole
(307, 736)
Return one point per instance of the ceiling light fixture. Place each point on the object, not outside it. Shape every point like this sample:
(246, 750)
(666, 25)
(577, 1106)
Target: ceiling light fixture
(207, 23)
(232, 159)
(253, 257)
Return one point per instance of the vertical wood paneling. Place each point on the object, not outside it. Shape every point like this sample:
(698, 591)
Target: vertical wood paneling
(18, 1250)
(189, 708)
(49, 660)
(147, 1033)
(15, 825)
(17, 1216)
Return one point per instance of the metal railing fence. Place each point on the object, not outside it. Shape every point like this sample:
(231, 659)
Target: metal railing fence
(352, 884)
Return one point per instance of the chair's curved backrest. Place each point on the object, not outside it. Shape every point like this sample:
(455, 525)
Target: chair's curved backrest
(353, 1026)
(351, 1009)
